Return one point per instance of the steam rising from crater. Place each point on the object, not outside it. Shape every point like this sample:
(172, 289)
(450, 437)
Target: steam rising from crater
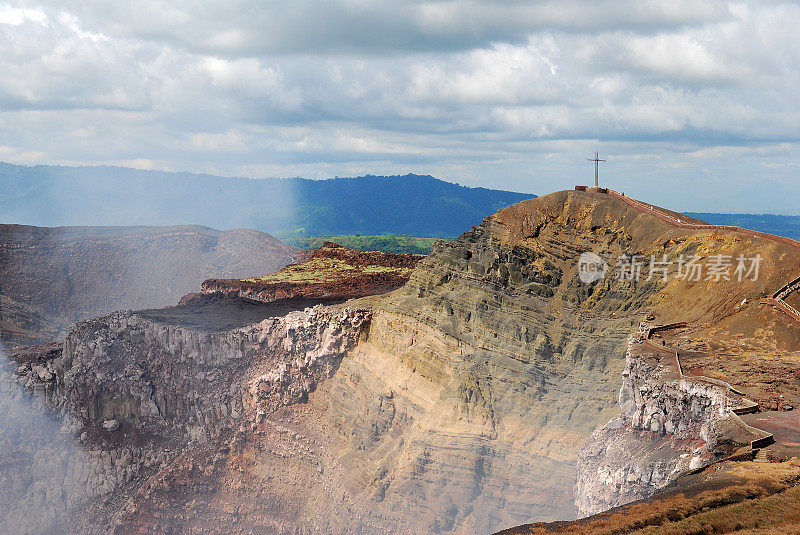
(40, 462)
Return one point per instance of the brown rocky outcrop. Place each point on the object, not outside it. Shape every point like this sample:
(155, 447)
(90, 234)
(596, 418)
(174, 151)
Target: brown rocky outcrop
(331, 271)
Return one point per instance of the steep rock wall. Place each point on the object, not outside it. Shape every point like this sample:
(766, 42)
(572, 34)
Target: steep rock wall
(130, 397)
(460, 409)
(479, 382)
(126, 367)
(668, 425)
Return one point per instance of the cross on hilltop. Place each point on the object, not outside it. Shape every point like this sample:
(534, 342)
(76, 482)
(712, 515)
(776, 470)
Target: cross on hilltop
(596, 161)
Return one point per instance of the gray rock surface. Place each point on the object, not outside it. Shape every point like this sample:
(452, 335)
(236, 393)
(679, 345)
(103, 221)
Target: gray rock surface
(127, 396)
(667, 426)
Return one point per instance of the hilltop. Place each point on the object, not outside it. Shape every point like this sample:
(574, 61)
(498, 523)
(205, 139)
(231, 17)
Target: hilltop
(708, 382)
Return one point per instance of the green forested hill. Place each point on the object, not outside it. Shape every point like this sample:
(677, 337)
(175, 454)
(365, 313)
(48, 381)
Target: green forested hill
(413, 205)
(369, 205)
(392, 243)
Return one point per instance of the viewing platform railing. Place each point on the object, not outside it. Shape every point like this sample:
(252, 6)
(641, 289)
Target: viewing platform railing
(747, 406)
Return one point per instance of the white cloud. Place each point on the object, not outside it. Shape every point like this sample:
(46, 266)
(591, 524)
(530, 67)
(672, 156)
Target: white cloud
(680, 57)
(506, 94)
(249, 27)
(137, 163)
(723, 151)
(19, 16)
(225, 141)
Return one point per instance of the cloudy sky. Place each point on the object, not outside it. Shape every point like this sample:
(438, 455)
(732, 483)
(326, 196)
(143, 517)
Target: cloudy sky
(694, 103)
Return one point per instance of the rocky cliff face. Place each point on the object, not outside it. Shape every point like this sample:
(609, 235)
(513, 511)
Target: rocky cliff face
(510, 375)
(461, 408)
(668, 425)
(52, 277)
(136, 396)
(45, 475)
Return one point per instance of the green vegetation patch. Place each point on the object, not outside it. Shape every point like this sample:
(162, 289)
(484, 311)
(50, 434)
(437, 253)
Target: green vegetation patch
(323, 270)
(387, 243)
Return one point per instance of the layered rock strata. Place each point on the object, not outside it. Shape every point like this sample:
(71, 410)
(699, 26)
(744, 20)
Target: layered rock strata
(460, 409)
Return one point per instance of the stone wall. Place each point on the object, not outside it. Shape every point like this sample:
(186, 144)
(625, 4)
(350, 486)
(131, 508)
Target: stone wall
(646, 208)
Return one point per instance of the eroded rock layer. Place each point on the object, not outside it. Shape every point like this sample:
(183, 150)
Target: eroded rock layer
(669, 425)
(461, 409)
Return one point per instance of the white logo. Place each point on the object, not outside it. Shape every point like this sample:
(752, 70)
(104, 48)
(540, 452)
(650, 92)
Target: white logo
(591, 268)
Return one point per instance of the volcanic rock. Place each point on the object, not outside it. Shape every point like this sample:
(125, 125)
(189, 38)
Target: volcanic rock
(332, 271)
(111, 425)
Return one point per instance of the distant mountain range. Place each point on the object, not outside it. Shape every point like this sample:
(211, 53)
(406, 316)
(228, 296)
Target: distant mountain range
(781, 225)
(411, 204)
(289, 208)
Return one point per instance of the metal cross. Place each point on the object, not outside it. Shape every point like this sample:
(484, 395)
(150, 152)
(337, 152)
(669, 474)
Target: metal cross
(596, 161)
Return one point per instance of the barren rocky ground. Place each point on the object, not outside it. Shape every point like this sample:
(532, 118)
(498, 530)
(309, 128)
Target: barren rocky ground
(738, 496)
(331, 270)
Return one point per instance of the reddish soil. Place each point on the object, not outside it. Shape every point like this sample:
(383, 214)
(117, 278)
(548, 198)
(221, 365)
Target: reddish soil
(785, 426)
(793, 299)
(330, 272)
